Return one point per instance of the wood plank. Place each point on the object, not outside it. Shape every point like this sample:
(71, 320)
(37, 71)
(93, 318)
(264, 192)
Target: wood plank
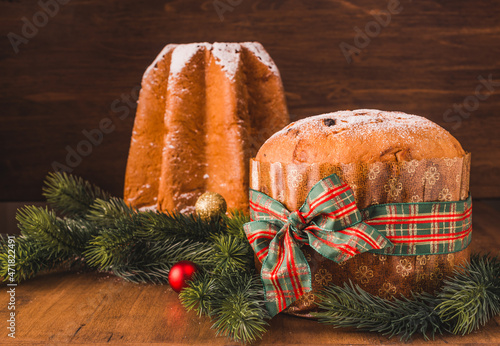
(88, 307)
(427, 59)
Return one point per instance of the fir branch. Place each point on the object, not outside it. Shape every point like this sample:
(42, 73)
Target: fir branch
(472, 297)
(351, 306)
(159, 226)
(142, 246)
(52, 233)
(155, 273)
(234, 223)
(71, 195)
(46, 242)
(31, 258)
(231, 253)
(81, 231)
(199, 295)
(151, 262)
(119, 226)
(238, 307)
(109, 248)
(104, 213)
(234, 300)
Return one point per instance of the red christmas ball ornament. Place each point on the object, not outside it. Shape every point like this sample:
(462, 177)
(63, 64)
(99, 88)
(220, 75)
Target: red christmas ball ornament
(180, 274)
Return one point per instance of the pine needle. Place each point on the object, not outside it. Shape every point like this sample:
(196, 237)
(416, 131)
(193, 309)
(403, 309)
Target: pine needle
(351, 306)
(71, 195)
(231, 253)
(105, 212)
(472, 297)
(234, 300)
(199, 295)
(31, 258)
(52, 233)
(151, 262)
(160, 226)
(234, 223)
(239, 308)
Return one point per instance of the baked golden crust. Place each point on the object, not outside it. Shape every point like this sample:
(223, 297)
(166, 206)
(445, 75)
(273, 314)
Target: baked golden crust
(204, 110)
(363, 135)
(364, 148)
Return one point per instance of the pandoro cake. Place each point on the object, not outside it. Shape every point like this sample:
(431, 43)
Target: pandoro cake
(204, 110)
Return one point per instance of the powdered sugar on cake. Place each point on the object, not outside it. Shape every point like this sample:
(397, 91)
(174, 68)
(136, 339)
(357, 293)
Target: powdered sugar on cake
(159, 58)
(360, 123)
(258, 50)
(182, 54)
(149, 208)
(359, 135)
(227, 56)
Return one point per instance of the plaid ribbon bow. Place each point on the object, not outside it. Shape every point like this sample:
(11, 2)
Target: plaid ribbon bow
(329, 221)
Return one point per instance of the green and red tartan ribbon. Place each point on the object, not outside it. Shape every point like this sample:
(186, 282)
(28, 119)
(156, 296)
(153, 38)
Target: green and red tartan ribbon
(425, 228)
(330, 222)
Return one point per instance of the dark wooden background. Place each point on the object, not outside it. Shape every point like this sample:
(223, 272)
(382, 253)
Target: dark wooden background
(77, 67)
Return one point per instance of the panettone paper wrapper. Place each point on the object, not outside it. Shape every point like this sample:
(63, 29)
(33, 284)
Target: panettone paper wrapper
(387, 276)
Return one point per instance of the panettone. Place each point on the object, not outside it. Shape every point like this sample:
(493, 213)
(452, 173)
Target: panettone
(363, 135)
(385, 157)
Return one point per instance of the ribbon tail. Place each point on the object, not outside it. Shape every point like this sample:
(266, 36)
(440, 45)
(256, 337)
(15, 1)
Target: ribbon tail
(341, 245)
(285, 273)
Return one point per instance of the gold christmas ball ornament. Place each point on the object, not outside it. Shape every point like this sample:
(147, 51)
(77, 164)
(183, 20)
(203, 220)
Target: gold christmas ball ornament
(210, 205)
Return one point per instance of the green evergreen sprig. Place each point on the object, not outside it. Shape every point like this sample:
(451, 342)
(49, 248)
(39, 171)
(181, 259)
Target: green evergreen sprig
(164, 226)
(231, 253)
(239, 307)
(103, 232)
(234, 223)
(71, 195)
(117, 238)
(467, 301)
(153, 264)
(234, 300)
(54, 234)
(351, 306)
(31, 258)
(105, 213)
(472, 297)
(199, 295)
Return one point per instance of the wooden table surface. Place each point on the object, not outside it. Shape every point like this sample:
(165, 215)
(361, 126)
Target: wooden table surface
(75, 307)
